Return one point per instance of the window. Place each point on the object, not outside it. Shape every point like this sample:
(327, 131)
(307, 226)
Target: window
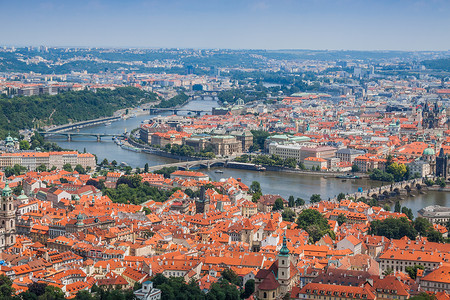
(265, 295)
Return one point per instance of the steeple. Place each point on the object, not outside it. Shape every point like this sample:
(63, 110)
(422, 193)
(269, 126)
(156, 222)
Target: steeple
(284, 249)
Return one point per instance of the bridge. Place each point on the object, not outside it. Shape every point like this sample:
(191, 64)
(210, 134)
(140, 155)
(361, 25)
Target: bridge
(186, 165)
(392, 190)
(77, 125)
(69, 135)
(176, 110)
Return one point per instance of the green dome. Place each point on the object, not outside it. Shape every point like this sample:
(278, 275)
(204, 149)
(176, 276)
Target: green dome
(9, 139)
(22, 196)
(6, 192)
(429, 151)
(80, 216)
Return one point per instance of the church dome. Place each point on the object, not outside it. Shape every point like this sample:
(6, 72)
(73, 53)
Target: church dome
(429, 151)
(22, 196)
(6, 190)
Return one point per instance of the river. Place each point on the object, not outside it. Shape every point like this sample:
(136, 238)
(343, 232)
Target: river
(284, 184)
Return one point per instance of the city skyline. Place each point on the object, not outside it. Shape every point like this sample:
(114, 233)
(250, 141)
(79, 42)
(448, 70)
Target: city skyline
(320, 24)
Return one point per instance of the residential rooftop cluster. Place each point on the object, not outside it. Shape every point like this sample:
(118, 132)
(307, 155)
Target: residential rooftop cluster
(69, 234)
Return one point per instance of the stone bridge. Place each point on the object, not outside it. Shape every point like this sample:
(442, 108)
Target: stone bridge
(386, 191)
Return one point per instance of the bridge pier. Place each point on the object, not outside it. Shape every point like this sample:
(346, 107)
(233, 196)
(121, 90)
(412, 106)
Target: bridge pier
(99, 138)
(69, 137)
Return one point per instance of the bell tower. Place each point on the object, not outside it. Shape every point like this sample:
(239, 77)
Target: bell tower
(7, 218)
(284, 268)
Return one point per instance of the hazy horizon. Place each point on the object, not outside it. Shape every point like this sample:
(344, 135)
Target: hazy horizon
(283, 25)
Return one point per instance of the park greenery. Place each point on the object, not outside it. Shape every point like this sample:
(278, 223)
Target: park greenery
(34, 112)
(130, 189)
(397, 228)
(393, 172)
(314, 223)
(185, 150)
(229, 287)
(165, 171)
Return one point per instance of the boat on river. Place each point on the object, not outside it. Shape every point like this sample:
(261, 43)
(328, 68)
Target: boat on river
(348, 176)
(131, 148)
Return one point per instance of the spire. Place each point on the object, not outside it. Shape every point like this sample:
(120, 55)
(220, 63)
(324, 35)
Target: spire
(284, 249)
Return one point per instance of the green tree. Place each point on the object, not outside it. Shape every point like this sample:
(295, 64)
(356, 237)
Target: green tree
(412, 270)
(340, 197)
(24, 145)
(114, 163)
(278, 205)
(397, 207)
(429, 182)
(79, 168)
(41, 168)
(230, 275)
(435, 236)
(291, 201)
(255, 187)
(386, 207)
(315, 198)
(441, 182)
(393, 228)
(146, 168)
(17, 190)
(422, 226)
(299, 202)
(341, 219)
(104, 162)
(288, 215)
(314, 223)
(84, 295)
(408, 212)
(355, 168)
(249, 289)
(68, 167)
(37, 288)
(6, 289)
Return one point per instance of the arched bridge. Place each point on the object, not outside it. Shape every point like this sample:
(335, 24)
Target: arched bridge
(186, 165)
(386, 191)
(175, 111)
(69, 135)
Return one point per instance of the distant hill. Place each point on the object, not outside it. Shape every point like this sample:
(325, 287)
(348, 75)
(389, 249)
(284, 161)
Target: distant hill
(442, 64)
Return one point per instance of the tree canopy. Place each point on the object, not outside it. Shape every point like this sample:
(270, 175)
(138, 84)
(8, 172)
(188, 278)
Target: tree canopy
(314, 223)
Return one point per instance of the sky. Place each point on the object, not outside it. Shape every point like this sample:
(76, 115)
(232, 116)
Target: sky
(229, 24)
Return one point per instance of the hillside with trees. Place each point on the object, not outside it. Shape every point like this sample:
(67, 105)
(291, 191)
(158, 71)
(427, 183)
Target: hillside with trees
(38, 111)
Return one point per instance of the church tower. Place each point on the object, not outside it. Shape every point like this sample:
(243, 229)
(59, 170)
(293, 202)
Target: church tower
(7, 219)
(284, 268)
